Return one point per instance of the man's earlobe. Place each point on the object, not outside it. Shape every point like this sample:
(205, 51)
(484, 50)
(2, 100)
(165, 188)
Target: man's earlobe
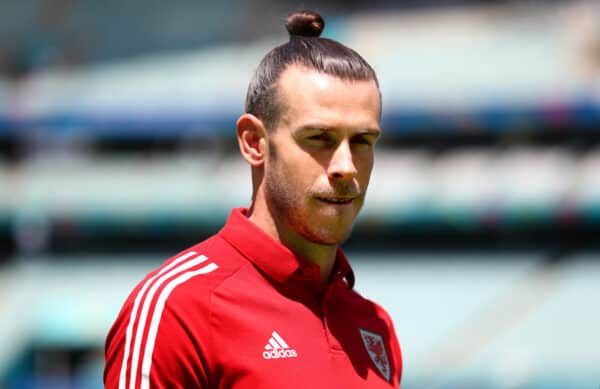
(251, 135)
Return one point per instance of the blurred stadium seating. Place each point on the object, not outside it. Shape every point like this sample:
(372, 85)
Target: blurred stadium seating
(480, 233)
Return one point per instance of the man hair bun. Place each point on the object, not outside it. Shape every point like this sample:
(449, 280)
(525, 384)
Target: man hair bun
(305, 23)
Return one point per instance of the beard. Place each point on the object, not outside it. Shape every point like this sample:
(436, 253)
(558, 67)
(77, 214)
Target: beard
(299, 211)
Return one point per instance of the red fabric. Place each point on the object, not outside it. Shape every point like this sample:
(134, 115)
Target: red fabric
(250, 315)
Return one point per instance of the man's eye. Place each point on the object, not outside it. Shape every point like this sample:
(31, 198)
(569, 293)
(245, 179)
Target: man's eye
(362, 141)
(321, 137)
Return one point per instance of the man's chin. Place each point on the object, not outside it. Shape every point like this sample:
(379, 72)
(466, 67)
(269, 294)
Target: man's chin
(327, 237)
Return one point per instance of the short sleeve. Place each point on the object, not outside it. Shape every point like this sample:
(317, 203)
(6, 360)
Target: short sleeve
(177, 359)
(159, 344)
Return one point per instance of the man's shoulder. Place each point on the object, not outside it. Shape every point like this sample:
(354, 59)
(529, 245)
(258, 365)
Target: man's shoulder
(213, 254)
(170, 305)
(192, 274)
(367, 307)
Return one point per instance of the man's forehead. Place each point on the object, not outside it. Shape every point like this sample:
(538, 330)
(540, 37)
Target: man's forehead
(303, 92)
(319, 80)
(298, 80)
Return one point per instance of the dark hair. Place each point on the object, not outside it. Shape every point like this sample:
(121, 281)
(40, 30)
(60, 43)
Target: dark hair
(304, 48)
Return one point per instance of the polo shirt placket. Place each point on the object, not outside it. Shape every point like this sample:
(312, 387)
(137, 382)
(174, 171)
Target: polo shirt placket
(339, 310)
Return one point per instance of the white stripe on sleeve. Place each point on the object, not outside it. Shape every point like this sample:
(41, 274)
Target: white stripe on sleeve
(135, 357)
(156, 316)
(133, 314)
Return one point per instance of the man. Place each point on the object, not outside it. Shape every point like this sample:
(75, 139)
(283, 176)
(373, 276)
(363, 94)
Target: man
(268, 301)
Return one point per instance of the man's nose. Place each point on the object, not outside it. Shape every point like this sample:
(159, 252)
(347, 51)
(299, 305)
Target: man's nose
(341, 165)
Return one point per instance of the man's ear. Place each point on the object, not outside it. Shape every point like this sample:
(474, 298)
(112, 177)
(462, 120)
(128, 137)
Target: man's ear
(251, 135)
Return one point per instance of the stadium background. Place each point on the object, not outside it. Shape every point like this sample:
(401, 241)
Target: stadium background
(481, 229)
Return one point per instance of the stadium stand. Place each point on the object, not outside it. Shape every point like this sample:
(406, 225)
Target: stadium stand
(480, 233)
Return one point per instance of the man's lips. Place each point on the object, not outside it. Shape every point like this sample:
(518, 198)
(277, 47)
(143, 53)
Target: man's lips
(336, 200)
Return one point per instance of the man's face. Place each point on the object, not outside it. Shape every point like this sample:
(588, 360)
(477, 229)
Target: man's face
(321, 154)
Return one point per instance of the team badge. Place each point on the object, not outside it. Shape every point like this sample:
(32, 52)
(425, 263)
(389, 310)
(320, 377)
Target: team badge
(376, 350)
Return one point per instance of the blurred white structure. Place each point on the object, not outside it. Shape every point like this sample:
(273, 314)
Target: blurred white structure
(455, 61)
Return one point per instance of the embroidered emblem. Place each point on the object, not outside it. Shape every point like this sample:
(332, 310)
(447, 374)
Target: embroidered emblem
(376, 350)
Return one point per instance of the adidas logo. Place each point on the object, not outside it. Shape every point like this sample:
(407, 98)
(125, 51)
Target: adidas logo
(278, 348)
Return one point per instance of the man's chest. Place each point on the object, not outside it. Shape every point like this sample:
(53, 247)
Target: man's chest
(268, 340)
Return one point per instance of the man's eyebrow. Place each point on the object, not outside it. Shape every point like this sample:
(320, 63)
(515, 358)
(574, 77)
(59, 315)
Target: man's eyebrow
(323, 128)
(369, 131)
(316, 127)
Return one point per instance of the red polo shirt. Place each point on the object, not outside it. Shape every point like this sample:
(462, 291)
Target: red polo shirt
(241, 311)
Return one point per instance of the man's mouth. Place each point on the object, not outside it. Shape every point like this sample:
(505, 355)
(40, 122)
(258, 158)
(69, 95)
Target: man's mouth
(336, 200)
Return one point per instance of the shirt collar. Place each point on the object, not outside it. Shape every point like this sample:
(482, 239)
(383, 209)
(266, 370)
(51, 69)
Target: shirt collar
(270, 256)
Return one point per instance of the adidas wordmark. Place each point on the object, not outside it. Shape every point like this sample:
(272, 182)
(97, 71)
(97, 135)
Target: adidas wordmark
(278, 348)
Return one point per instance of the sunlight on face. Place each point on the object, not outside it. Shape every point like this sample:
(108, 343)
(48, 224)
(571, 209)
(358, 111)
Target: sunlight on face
(321, 153)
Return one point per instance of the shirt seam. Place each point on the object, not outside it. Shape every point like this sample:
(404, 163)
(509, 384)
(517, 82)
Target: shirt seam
(211, 310)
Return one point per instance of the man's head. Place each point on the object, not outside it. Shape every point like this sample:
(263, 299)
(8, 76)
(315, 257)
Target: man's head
(313, 111)
(305, 48)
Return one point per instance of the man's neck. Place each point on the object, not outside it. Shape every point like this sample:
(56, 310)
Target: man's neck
(321, 255)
